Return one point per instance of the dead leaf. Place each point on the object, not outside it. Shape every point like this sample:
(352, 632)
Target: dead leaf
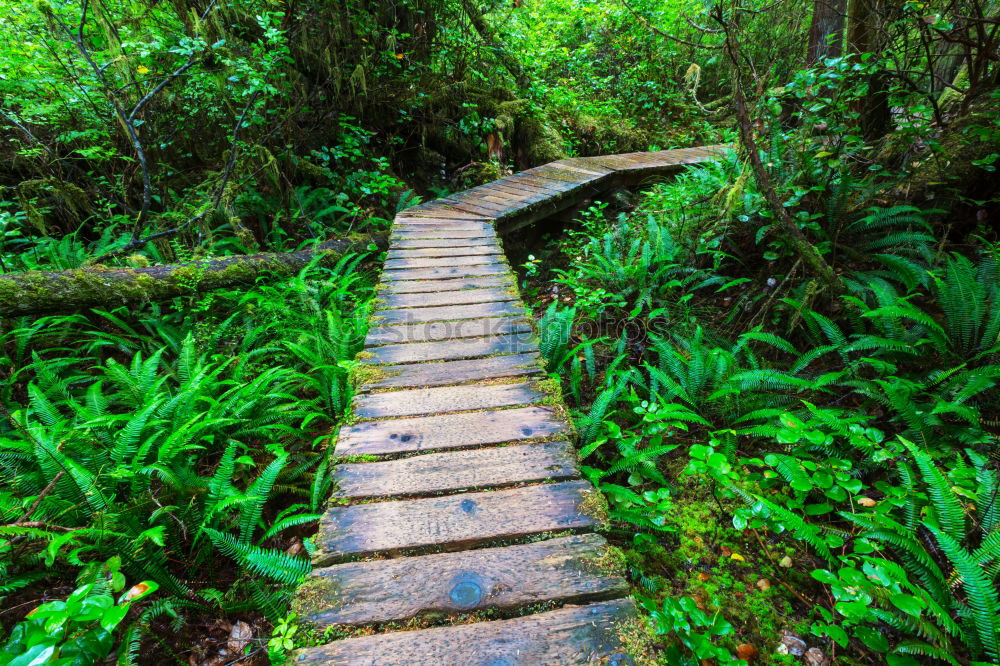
(239, 637)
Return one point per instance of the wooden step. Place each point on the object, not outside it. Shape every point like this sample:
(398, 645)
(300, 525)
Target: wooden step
(456, 470)
(418, 242)
(478, 270)
(444, 399)
(569, 636)
(452, 251)
(448, 350)
(439, 262)
(453, 522)
(454, 297)
(449, 431)
(471, 231)
(567, 570)
(415, 375)
(448, 330)
(454, 284)
(417, 315)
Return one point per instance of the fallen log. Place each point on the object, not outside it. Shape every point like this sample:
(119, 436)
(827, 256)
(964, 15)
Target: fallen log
(50, 292)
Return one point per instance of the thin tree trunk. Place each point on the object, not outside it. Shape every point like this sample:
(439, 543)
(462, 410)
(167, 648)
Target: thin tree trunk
(826, 31)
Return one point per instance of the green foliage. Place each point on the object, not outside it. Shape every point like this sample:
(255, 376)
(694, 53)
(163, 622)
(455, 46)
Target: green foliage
(79, 629)
(165, 437)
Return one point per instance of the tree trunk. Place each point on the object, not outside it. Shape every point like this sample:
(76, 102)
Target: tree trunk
(863, 28)
(826, 32)
(47, 292)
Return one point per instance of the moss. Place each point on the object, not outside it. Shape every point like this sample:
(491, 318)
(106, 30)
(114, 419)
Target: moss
(611, 562)
(368, 373)
(595, 505)
(317, 594)
(552, 388)
(639, 641)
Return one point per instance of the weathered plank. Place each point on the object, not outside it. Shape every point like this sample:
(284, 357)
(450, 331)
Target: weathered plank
(476, 270)
(448, 350)
(417, 315)
(358, 593)
(449, 431)
(432, 331)
(437, 234)
(453, 522)
(439, 262)
(458, 284)
(444, 399)
(455, 372)
(453, 251)
(570, 636)
(456, 470)
(453, 297)
(404, 242)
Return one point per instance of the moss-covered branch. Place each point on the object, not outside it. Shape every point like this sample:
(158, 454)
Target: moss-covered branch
(47, 292)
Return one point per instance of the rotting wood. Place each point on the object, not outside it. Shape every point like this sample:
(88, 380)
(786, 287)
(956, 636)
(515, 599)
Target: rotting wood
(452, 522)
(508, 577)
(570, 636)
(456, 470)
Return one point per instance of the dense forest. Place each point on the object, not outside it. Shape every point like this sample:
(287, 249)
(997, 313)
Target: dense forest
(780, 364)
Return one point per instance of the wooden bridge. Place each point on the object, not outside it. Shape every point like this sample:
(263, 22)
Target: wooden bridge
(459, 512)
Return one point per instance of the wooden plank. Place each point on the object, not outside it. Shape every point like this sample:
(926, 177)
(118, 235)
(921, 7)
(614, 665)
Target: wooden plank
(409, 227)
(456, 284)
(429, 221)
(464, 204)
(453, 297)
(584, 165)
(463, 271)
(456, 470)
(554, 173)
(415, 375)
(446, 330)
(444, 399)
(525, 193)
(419, 315)
(361, 593)
(406, 243)
(452, 522)
(449, 431)
(437, 262)
(569, 636)
(447, 350)
(396, 252)
(412, 233)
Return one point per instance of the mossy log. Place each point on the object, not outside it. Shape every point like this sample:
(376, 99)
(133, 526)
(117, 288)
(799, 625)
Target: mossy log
(49, 292)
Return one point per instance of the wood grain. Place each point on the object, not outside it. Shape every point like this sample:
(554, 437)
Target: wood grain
(506, 578)
(453, 349)
(434, 331)
(570, 636)
(444, 399)
(413, 375)
(456, 470)
(449, 431)
(416, 315)
(453, 522)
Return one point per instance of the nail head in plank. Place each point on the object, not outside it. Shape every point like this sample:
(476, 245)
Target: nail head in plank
(449, 431)
(569, 636)
(418, 375)
(456, 470)
(444, 399)
(362, 593)
(452, 522)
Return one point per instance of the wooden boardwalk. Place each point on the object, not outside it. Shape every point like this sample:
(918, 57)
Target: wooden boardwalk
(459, 500)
